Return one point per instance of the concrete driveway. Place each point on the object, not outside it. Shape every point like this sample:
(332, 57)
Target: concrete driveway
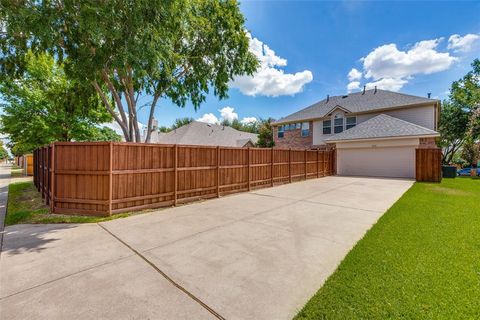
(256, 255)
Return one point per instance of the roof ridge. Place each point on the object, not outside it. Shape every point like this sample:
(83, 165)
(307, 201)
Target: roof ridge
(406, 94)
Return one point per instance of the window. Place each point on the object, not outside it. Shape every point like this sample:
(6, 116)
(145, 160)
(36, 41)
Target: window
(327, 126)
(338, 123)
(292, 126)
(305, 129)
(351, 122)
(280, 132)
(298, 125)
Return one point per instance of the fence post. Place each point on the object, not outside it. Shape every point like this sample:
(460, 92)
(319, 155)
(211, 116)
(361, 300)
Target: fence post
(317, 164)
(110, 178)
(52, 180)
(305, 163)
(290, 165)
(43, 173)
(47, 175)
(271, 167)
(218, 171)
(417, 164)
(175, 172)
(248, 159)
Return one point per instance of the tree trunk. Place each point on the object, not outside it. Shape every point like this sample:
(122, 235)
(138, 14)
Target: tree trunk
(150, 119)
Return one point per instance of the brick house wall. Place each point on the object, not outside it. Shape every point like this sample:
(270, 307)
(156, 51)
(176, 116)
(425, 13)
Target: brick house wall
(293, 138)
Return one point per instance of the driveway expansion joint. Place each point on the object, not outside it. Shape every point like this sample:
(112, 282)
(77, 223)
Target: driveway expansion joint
(169, 279)
(66, 276)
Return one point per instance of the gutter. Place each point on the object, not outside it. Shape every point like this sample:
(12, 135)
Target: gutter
(433, 135)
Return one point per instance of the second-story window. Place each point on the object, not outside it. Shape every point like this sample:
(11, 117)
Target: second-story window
(305, 129)
(280, 132)
(351, 122)
(327, 126)
(338, 123)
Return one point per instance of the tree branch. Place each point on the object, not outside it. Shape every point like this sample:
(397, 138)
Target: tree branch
(150, 117)
(157, 95)
(110, 109)
(117, 99)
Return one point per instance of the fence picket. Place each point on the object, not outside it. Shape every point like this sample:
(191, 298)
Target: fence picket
(103, 178)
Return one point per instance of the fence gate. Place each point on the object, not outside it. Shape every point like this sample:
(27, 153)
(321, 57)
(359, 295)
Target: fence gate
(428, 165)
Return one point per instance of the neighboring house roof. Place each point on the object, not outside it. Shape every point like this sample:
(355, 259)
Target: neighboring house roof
(382, 126)
(357, 102)
(200, 133)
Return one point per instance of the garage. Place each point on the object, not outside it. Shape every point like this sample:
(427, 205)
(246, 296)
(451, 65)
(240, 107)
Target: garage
(376, 161)
(383, 146)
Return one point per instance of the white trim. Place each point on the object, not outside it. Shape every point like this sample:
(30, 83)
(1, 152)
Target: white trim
(385, 138)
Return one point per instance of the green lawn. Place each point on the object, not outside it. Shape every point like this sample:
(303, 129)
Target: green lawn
(420, 261)
(25, 205)
(16, 172)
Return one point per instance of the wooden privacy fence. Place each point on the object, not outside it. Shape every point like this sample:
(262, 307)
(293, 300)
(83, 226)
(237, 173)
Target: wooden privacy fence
(102, 178)
(428, 165)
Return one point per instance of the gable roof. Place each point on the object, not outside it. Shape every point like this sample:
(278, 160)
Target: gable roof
(382, 126)
(357, 102)
(201, 133)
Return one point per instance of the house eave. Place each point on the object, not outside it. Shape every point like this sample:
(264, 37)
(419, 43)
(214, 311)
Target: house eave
(408, 106)
(433, 135)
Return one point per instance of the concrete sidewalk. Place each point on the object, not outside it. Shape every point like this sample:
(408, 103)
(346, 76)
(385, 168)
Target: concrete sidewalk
(256, 255)
(5, 173)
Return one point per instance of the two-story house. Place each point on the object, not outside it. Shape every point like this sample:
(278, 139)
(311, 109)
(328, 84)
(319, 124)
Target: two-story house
(374, 131)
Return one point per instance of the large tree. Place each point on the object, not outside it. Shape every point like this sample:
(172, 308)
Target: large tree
(43, 106)
(454, 120)
(460, 115)
(173, 49)
(265, 133)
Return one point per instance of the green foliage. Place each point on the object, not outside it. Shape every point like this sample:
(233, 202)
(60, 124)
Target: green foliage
(470, 152)
(238, 125)
(265, 133)
(419, 261)
(43, 106)
(174, 49)
(181, 122)
(453, 128)
(460, 115)
(164, 129)
(3, 153)
(466, 91)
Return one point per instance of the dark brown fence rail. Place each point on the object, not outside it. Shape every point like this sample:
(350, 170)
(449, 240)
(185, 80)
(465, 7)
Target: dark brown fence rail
(102, 178)
(428, 165)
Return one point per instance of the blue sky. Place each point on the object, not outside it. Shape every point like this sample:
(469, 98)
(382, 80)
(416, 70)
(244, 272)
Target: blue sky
(322, 41)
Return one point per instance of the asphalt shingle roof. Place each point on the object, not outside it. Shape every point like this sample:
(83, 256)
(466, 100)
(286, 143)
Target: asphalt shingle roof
(382, 126)
(200, 133)
(357, 102)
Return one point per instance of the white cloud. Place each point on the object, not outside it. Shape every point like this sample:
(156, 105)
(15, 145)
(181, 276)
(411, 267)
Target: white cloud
(390, 84)
(227, 113)
(354, 75)
(269, 80)
(209, 118)
(388, 62)
(354, 85)
(390, 68)
(248, 120)
(458, 43)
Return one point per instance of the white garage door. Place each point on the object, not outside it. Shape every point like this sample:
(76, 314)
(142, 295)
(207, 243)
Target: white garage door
(377, 162)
